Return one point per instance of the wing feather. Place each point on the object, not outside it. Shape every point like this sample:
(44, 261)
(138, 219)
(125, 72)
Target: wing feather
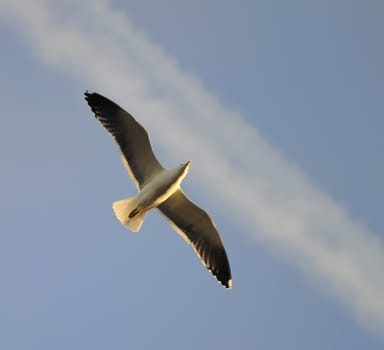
(197, 228)
(131, 137)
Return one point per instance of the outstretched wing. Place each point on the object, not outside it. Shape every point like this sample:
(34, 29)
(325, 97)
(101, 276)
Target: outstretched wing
(130, 136)
(196, 227)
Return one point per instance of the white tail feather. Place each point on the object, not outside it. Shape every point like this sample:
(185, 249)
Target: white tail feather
(122, 210)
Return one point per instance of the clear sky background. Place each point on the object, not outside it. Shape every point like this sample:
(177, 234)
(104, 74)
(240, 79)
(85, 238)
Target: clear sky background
(280, 106)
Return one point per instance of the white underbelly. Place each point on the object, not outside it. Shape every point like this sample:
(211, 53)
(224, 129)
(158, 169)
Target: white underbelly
(162, 198)
(158, 190)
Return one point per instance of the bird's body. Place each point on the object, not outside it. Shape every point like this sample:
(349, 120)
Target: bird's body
(162, 186)
(159, 188)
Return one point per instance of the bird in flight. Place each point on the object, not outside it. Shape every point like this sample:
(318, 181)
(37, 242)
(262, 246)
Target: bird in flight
(159, 188)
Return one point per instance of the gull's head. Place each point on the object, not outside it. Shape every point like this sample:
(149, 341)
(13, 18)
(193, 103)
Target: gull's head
(184, 166)
(181, 171)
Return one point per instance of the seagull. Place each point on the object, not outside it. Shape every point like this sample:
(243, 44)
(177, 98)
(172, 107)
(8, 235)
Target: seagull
(159, 188)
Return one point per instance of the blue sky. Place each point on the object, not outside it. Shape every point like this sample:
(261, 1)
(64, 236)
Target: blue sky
(279, 105)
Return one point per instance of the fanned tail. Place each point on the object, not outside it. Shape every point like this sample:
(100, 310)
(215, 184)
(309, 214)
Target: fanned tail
(129, 214)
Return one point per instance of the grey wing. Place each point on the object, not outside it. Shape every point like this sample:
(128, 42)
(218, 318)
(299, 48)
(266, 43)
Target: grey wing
(130, 136)
(197, 227)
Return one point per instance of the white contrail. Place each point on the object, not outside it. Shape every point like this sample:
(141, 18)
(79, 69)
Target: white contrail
(271, 199)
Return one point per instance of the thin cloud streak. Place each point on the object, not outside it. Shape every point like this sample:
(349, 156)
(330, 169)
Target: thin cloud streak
(269, 198)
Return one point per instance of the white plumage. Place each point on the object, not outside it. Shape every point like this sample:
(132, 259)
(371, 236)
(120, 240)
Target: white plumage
(159, 188)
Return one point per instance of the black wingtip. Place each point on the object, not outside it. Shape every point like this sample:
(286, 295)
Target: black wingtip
(225, 282)
(88, 94)
(91, 97)
(222, 275)
(100, 104)
(94, 98)
(228, 284)
(221, 269)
